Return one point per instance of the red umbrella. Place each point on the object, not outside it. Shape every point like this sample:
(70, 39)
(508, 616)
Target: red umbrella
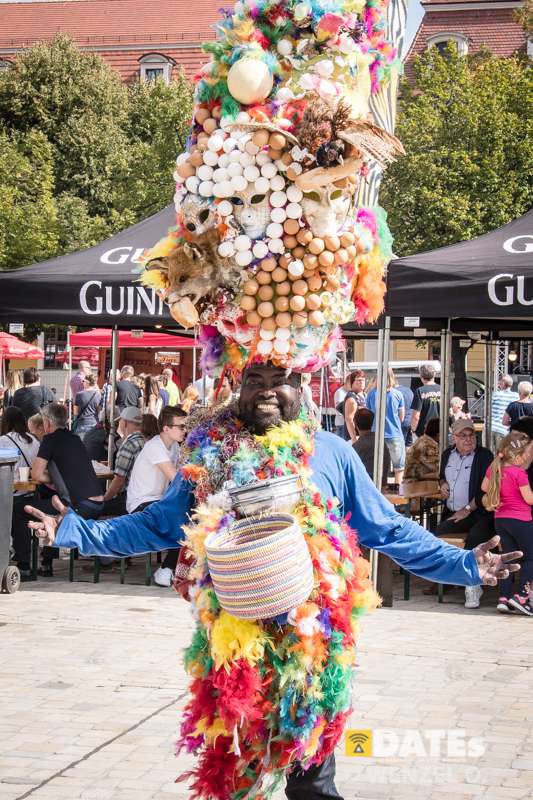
(89, 354)
(11, 347)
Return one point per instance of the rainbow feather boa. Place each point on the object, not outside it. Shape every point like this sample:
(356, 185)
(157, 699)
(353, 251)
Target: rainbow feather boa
(265, 695)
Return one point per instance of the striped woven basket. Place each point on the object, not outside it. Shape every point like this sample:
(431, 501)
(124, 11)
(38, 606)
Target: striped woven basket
(260, 567)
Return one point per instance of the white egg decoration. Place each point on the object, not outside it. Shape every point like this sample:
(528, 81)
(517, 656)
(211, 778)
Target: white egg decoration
(251, 148)
(243, 258)
(226, 249)
(262, 158)
(225, 208)
(234, 157)
(296, 268)
(229, 144)
(281, 346)
(246, 160)
(210, 158)
(266, 335)
(283, 334)
(234, 169)
(269, 170)
(276, 246)
(277, 183)
(206, 188)
(262, 185)
(242, 116)
(242, 242)
(191, 184)
(219, 175)
(278, 199)
(239, 183)
(294, 210)
(278, 215)
(274, 230)
(264, 347)
(215, 143)
(284, 47)
(249, 81)
(223, 161)
(294, 194)
(251, 173)
(260, 250)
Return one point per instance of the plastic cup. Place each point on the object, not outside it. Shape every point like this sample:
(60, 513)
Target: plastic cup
(24, 474)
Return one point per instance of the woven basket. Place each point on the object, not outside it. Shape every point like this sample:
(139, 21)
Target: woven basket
(260, 567)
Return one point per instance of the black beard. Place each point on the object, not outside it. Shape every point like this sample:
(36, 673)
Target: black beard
(260, 425)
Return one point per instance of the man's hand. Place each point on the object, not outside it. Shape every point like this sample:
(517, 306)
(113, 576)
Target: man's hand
(445, 490)
(46, 527)
(495, 566)
(459, 515)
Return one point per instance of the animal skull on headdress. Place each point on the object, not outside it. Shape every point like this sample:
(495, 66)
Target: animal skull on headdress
(325, 209)
(197, 213)
(252, 211)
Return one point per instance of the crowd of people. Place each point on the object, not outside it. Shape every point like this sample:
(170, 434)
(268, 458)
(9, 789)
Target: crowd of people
(150, 424)
(481, 494)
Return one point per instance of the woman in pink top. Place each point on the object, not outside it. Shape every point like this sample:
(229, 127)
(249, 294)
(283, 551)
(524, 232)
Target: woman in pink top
(509, 495)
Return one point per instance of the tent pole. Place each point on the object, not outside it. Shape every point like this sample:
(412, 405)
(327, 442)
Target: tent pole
(69, 386)
(489, 388)
(381, 401)
(112, 425)
(321, 401)
(194, 354)
(445, 371)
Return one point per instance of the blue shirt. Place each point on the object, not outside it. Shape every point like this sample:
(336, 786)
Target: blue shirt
(407, 401)
(395, 401)
(500, 401)
(337, 471)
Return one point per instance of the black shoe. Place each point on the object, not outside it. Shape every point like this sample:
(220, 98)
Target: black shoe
(45, 571)
(522, 604)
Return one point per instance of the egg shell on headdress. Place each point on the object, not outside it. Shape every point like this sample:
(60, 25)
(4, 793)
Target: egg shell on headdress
(249, 81)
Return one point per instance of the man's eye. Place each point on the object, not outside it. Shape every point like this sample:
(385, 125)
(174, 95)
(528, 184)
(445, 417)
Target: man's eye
(312, 196)
(203, 215)
(257, 198)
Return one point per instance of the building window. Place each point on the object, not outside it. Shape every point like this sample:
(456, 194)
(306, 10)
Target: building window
(155, 66)
(5, 65)
(442, 40)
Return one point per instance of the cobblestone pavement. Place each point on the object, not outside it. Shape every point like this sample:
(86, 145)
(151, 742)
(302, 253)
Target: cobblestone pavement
(92, 686)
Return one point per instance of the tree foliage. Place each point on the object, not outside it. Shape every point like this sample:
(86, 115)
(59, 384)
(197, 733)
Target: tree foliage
(524, 16)
(108, 149)
(466, 125)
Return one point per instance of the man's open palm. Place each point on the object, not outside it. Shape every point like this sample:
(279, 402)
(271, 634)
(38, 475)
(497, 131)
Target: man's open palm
(47, 525)
(495, 566)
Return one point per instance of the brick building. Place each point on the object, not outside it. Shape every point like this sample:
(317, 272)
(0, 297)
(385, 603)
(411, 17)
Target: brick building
(140, 39)
(471, 24)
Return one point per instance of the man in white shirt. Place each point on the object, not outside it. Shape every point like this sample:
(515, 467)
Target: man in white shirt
(338, 398)
(155, 465)
(500, 401)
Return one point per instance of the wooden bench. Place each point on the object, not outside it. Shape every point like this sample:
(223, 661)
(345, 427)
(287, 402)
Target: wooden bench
(457, 539)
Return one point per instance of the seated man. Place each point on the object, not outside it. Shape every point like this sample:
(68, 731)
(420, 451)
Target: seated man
(364, 446)
(62, 460)
(130, 447)
(462, 469)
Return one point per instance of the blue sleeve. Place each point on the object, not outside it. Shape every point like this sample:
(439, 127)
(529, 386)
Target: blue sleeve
(410, 545)
(159, 527)
(371, 396)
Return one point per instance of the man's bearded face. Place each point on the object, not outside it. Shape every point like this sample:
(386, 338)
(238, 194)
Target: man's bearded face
(269, 395)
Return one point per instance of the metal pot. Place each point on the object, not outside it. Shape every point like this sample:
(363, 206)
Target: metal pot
(274, 495)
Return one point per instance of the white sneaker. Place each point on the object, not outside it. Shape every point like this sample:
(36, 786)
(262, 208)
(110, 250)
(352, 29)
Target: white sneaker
(472, 596)
(163, 576)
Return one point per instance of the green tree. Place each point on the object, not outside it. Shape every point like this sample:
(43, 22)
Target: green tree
(467, 127)
(27, 208)
(524, 16)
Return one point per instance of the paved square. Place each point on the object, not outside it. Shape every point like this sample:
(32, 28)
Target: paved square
(92, 684)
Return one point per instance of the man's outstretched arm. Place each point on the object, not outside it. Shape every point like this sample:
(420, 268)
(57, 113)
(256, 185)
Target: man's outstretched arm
(159, 527)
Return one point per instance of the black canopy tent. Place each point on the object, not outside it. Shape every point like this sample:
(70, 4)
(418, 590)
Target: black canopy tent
(94, 287)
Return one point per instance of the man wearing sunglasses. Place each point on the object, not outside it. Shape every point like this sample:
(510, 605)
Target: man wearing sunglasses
(155, 466)
(463, 467)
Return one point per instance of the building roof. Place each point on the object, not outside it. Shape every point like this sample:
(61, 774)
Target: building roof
(108, 22)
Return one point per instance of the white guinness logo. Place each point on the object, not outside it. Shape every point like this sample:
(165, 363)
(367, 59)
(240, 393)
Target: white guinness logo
(95, 298)
(519, 244)
(505, 290)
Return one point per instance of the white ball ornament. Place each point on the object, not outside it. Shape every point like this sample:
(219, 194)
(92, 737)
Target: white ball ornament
(260, 250)
(278, 215)
(229, 144)
(205, 173)
(276, 246)
(234, 157)
(226, 249)
(251, 173)
(243, 116)
(296, 268)
(274, 230)
(215, 143)
(269, 170)
(243, 258)
(281, 346)
(262, 185)
(239, 183)
(249, 81)
(296, 168)
(225, 208)
(210, 158)
(284, 95)
(282, 167)
(283, 334)
(284, 47)
(264, 347)
(277, 183)
(294, 194)
(223, 161)
(278, 199)
(225, 189)
(251, 148)
(182, 158)
(294, 210)
(206, 188)
(234, 169)
(246, 160)
(242, 242)
(219, 175)
(266, 335)
(262, 158)
(191, 184)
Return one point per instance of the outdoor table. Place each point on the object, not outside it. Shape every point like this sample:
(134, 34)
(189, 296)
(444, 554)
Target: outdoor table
(103, 471)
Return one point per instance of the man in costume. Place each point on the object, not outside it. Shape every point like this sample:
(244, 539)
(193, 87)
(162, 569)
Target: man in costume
(270, 400)
(274, 248)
